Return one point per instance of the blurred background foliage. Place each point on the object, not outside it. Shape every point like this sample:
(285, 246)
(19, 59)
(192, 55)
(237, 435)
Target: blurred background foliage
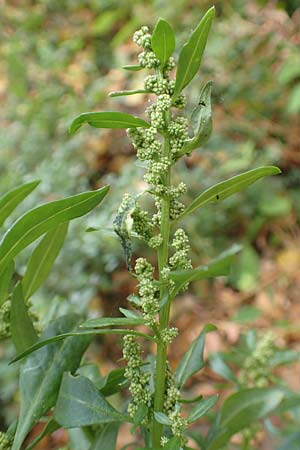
(62, 57)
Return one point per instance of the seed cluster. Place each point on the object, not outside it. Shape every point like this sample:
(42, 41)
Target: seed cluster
(5, 441)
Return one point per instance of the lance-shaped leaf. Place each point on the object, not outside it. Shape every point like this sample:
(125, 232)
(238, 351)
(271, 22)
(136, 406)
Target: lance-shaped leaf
(5, 281)
(106, 438)
(192, 360)
(103, 322)
(22, 329)
(202, 408)
(12, 199)
(191, 54)
(112, 383)
(42, 259)
(125, 93)
(80, 404)
(229, 187)
(41, 219)
(42, 372)
(219, 267)
(132, 67)
(109, 119)
(219, 366)
(240, 409)
(163, 41)
(202, 121)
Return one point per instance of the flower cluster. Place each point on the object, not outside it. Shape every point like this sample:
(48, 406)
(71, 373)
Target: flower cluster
(178, 130)
(180, 259)
(169, 334)
(256, 371)
(5, 320)
(139, 380)
(5, 441)
(148, 290)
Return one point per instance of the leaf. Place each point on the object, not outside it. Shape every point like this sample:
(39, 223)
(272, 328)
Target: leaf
(192, 360)
(202, 408)
(106, 439)
(109, 119)
(140, 414)
(191, 53)
(112, 383)
(22, 329)
(42, 259)
(163, 41)
(242, 409)
(42, 372)
(219, 366)
(41, 219)
(12, 199)
(219, 267)
(125, 93)
(122, 226)
(202, 121)
(129, 313)
(132, 67)
(162, 418)
(173, 444)
(228, 187)
(80, 404)
(87, 332)
(50, 427)
(5, 281)
(103, 322)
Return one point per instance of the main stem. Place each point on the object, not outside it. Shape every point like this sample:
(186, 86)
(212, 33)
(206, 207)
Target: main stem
(163, 254)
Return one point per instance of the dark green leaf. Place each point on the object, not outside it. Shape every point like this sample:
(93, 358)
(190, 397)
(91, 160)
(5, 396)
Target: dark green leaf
(5, 281)
(40, 220)
(112, 383)
(219, 267)
(219, 366)
(106, 439)
(50, 427)
(103, 322)
(202, 408)
(109, 119)
(162, 418)
(42, 372)
(140, 414)
(11, 200)
(192, 360)
(163, 41)
(173, 444)
(191, 53)
(42, 259)
(226, 188)
(21, 326)
(202, 120)
(80, 404)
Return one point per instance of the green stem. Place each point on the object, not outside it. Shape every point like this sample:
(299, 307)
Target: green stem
(161, 358)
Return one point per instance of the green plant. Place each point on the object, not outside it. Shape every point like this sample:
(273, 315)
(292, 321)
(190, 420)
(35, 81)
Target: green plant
(158, 410)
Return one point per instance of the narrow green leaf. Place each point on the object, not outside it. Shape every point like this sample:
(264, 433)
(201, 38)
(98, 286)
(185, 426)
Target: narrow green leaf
(129, 313)
(103, 322)
(140, 414)
(163, 41)
(61, 337)
(241, 409)
(12, 199)
(42, 259)
(22, 329)
(202, 121)
(80, 404)
(5, 281)
(125, 93)
(202, 408)
(219, 267)
(109, 119)
(162, 418)
(173, 444)
(42, 372)
(191, 53)
(41, 219)
(192, 360)
(132, 67)
(219, 366)
(50, 427)
(226, 188)
(106, 439)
